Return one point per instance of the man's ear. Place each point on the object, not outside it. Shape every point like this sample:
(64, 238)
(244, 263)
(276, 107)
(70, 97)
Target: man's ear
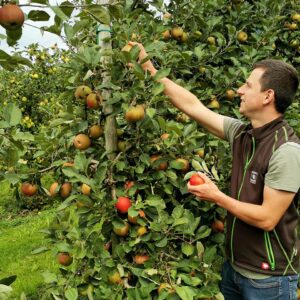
(269, 96)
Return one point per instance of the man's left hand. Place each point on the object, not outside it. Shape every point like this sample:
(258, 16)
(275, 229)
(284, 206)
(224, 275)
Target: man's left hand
(206, 191)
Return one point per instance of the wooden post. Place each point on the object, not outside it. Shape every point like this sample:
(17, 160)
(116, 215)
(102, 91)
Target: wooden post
(110, 132)
(103, 37)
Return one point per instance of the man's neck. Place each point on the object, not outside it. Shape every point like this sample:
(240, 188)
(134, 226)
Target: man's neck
(263, 120)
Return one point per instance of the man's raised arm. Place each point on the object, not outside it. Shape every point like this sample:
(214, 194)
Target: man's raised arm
(186, 101)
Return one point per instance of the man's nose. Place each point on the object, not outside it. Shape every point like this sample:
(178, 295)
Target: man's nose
(240, 90)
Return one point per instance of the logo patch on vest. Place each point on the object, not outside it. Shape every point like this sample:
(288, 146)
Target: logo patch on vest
(253, 177)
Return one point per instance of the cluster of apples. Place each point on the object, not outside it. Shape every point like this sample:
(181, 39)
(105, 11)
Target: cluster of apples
(122, 205)
(11, 17)
(135, 113)
(176, 33)
(93, 100)
(161, 164)
(64, 189)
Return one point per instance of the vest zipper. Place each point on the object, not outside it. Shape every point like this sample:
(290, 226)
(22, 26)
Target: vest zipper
(248, 161)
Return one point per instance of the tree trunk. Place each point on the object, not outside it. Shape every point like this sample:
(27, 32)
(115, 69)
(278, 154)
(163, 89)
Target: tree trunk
(110, 132)
(103, 35)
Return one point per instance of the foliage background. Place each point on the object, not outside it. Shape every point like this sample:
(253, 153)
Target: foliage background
(40, 118)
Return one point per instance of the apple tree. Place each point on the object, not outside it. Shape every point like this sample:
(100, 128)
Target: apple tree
(126, 227)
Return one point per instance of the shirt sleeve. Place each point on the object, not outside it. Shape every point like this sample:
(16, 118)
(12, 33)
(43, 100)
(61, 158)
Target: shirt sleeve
(284, 168)
(231, 126)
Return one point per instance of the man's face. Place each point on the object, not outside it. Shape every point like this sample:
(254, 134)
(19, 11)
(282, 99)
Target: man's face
(251, 94)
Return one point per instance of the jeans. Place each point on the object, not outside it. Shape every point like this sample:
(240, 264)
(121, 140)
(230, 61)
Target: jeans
(234, 286)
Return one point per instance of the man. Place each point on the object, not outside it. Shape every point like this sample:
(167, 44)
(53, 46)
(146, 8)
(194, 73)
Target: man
(262, 244)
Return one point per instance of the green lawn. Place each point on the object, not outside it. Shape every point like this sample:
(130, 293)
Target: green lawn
(19, 237)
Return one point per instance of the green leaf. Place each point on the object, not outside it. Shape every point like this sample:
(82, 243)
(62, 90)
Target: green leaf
(24, 136)
(178, 165)
(12, 114)
(155, 201)
(68, 31)
(196, 165)
(71, 173)
(8, 280)
(231, 30)
(13, 36)
(204, 166)
(177, 212)
(189, 129)
(158, 88)
(16, 60)
(215, 173)
(199, 52)
(38, 15)
(185, 292)
(4, 55)
(67, 8)
(12, 178)
(71, 294)
(190, 280)
(39, 250)
(200, 248)
(138, 71)
(151, 112)
(162, 243)
(81, 162)
(12, 157)
(162, 73)
(67, 202)
(49, 277)
(40, 1)
(210, 254)
(180, 221)
(59, 13)
(202, 232)
(187, 249)
(99, 13)
(3, 124)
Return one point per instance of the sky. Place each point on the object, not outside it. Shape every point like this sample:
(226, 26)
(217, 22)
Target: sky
(33, 35)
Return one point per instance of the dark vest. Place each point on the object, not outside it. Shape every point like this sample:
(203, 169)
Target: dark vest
(253, 248)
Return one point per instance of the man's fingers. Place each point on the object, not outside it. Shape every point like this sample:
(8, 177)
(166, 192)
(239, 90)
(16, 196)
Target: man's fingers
(204, 177)
(133, 43)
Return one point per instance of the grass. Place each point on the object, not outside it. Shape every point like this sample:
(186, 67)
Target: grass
(20, 235)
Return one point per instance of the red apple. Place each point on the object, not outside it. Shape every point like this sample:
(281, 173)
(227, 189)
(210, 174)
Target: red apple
(11, 17)
(64, 258)
(28, 189)
(196, 180)
(123, 204)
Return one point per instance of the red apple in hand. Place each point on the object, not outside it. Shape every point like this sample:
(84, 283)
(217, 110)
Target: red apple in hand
(196, 180)
(123, 204)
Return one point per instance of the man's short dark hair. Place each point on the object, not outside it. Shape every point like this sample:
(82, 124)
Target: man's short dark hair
(282, 78)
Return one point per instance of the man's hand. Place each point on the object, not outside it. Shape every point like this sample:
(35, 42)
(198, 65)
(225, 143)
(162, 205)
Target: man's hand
(206, 191)
(147, 66)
